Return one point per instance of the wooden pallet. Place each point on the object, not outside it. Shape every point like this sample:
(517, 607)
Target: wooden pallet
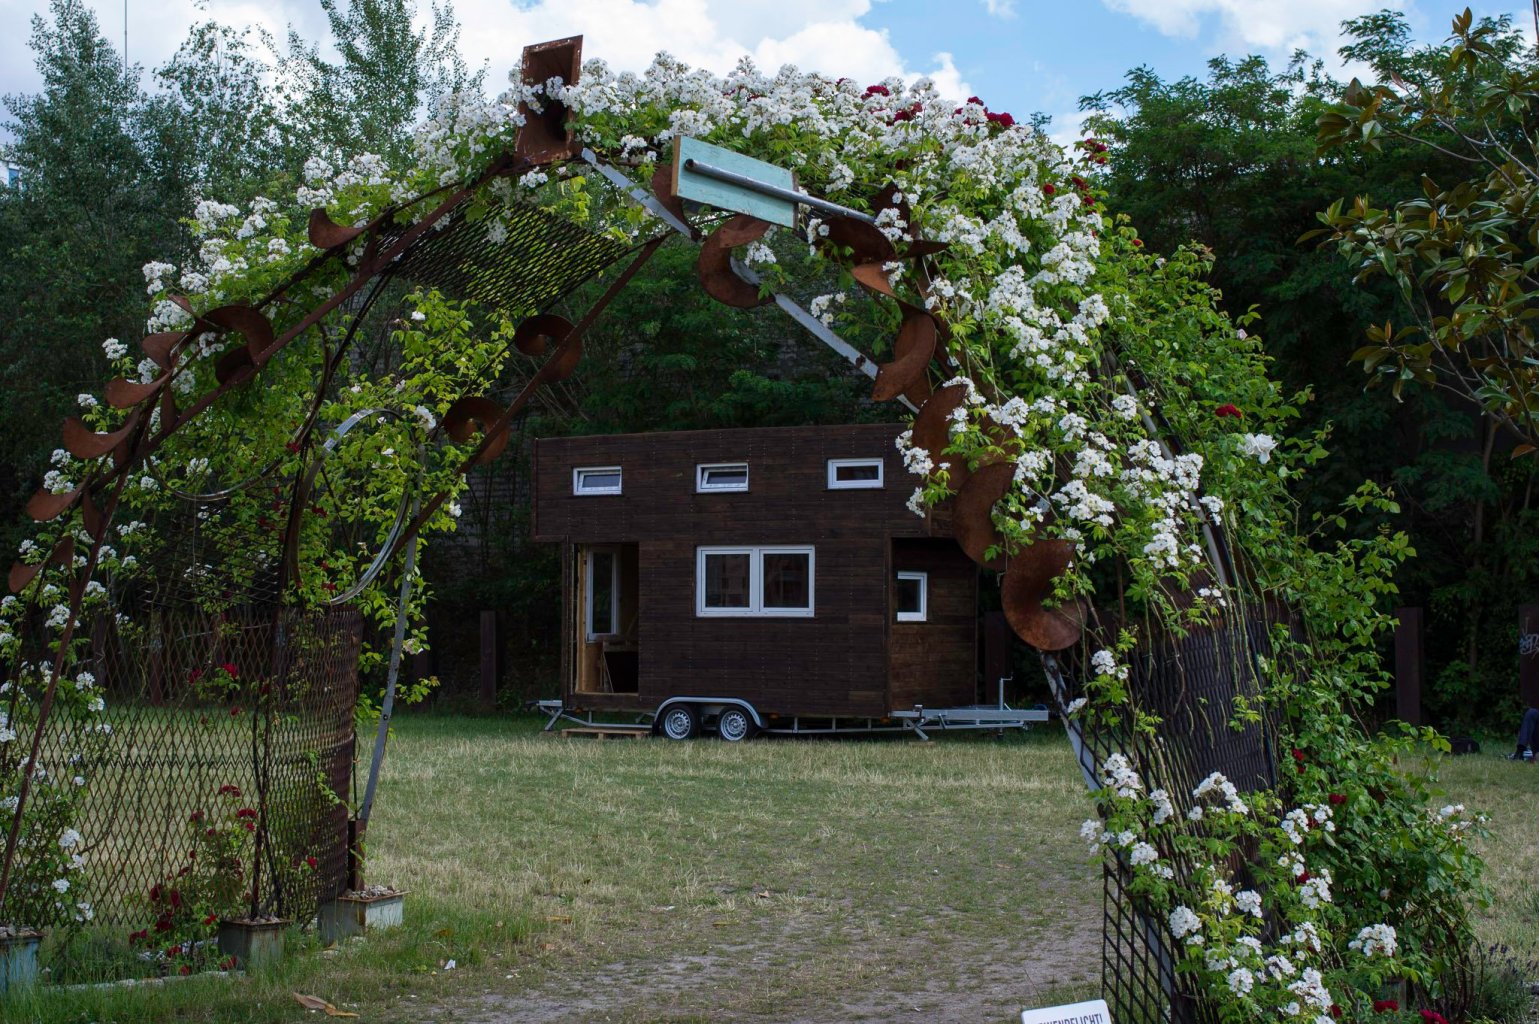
(605, 733)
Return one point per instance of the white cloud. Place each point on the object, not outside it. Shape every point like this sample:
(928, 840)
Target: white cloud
(1256, 25)
(999, 8)
(815, 35)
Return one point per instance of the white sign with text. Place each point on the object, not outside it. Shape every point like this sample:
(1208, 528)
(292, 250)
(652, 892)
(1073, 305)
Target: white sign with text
(1093, 1011)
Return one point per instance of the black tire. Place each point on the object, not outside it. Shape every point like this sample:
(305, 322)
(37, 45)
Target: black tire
(735, 725)
(679, 722)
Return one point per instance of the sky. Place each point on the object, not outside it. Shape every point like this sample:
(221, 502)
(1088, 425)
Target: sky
(1020, 56)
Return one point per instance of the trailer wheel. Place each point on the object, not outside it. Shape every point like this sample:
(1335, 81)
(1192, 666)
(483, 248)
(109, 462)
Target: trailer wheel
(680, 722)
(734, 725)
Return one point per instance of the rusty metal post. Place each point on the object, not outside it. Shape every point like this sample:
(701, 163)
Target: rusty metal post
(1408, 665)
(1528, 654)
(488, 661)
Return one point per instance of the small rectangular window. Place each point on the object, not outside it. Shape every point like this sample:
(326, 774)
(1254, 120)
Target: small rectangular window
(596, 480)
(722, 476)
(770, 581)
(913, 596)
(853, 474)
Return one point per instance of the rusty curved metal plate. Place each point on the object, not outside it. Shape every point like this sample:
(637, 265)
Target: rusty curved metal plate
(234, 366)
(913, 349)
(63, 553)
(471, 415)
(714, 266)
(45, 505)
(662, 188)
(971, 514)
(122, 393)
(159, 347)
(21, 575)
(84, 443)
(326, 233)
(932, 423)
(873, 277)
(537, 333)
(865, 241)
(561, 365)
(91, 515)
(1027, 583)
(246, 321)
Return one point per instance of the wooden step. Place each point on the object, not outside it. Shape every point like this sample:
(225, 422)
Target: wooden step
(606, 732)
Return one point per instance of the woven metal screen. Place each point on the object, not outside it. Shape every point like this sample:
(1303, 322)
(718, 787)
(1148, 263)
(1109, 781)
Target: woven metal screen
(1191, 684)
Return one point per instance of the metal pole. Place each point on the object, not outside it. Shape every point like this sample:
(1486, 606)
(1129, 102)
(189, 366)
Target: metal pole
(764, 188)
(388, 705)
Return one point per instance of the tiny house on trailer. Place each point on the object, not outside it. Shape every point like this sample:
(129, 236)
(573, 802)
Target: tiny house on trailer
(759, 579)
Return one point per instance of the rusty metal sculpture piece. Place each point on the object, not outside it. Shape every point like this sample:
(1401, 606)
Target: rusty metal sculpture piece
(1027, 583)
(714, 266)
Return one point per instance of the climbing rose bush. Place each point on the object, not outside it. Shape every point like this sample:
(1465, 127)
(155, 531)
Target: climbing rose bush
(1082, 358)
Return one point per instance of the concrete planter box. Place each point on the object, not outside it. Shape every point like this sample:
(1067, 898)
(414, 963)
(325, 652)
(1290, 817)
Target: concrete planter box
(253, 944)
(355, 914)
(18, 959)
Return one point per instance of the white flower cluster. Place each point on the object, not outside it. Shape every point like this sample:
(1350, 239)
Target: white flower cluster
(1216, 783)
(1376, 940)
(1118, 773)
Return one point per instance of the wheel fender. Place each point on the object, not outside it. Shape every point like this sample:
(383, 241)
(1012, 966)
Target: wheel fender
(708, 705)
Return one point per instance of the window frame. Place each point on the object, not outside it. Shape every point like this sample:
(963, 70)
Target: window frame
(614, 593)
(702, 471)
(578, 473)
(756, 553)
(835, 484)
(923, 614)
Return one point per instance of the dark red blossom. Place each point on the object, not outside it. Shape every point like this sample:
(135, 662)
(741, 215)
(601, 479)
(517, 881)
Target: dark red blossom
(245, 812)
(184, 970)
(194, 676)
(1337, 799)
(175, 899)
(908, 113)
(211, 832)
(250, 826)
(229, 790)
(163, 923)
(229, 667)
(1298, 755)
(878, 90)
(139, 936)
(292, 446)
(1336, 1012)
(974, 99)
(1049, 189)
(1386, 1006)
(1003, 120)
(1433, 1017)
(155, 893)
(1303, 877)
(311, 863)
(1138, 243)
(1229, 410)
(235, 711)
(211, 919)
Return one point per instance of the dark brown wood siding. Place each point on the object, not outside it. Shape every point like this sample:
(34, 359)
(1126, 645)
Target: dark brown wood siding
(835, 663)
(934, 662)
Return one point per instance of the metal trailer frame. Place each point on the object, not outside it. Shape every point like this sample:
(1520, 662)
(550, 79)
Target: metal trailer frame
(920, 721)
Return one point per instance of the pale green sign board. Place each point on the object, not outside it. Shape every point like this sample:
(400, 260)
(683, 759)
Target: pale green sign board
(688, 184)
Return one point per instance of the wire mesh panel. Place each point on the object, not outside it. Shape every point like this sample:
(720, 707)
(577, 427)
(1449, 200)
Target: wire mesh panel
(1192, 685)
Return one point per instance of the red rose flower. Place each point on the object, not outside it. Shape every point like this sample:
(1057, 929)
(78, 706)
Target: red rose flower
(195, 675)
(1337, 799)
(1003, 120)
(1138, 243)
(229, 667)
(878, 90)
(292, 446)
(1433, 1017)
(245, 812)
(1049, 189)
(138, 936)
(1336, 1011)
(175, 899)
(211, 919)
(1229, 410)
(1303, 877)
(229, 790)
(974, 99)
(250, 826)
(1298, 755)
(1385, 1006)
(235, 711)
(197, 816)
(312, 863)
(184, 971)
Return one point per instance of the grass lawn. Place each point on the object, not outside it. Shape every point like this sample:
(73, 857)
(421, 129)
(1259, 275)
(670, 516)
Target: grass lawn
(633, 881)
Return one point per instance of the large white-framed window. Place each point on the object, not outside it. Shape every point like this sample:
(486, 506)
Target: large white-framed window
(854, 474)
(912, 596)
(721, 476)
(601, 592)
(774, 581)
(596, 480)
